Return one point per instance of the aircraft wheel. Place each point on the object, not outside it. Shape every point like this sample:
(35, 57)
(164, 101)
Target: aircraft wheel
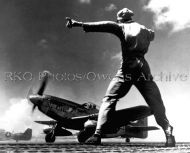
(8, 134)
(127, 140)
(50, 137)
(85, 134)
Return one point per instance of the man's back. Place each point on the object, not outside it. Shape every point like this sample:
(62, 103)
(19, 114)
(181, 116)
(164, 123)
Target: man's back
(136, 38)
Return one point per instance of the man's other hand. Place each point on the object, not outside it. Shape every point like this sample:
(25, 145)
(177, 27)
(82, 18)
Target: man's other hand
(71, 23)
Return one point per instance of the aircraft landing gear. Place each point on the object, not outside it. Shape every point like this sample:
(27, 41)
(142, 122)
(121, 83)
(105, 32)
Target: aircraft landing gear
(50, 137)
(127, 140)
(83, 135)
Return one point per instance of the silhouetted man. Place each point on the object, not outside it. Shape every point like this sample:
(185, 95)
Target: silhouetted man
(134, 70)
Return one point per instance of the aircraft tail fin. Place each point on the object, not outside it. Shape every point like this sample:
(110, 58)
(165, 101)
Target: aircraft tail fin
(28, 133)
(139, 129)
(141, 122)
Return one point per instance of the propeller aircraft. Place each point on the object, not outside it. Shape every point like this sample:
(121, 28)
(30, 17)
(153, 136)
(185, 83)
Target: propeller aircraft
(25, 136)
(83, 117)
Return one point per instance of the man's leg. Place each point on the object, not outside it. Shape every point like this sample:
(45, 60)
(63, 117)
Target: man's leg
(116, 90)
(151, 94)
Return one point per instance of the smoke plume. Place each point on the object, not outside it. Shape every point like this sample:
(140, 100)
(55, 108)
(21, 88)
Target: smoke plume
(18, 117)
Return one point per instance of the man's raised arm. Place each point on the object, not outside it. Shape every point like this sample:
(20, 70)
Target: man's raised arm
(100, 26)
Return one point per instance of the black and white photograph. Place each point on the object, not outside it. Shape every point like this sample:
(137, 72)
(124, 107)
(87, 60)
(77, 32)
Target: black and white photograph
(94, 76)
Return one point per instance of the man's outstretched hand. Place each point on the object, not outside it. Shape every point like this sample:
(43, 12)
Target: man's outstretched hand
(71, 23)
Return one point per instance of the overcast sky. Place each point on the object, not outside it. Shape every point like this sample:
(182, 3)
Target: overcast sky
(33, 38)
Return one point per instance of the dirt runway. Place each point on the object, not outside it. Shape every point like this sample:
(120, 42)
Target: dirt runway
(64, 147)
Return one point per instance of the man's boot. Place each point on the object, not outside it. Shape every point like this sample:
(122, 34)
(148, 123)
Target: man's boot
(95, 139)
(170, 139)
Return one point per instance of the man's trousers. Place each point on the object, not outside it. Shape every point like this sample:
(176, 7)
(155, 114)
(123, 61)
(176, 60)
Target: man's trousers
(133, 72)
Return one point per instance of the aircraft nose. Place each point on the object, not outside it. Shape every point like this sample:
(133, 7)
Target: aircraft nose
(35, 99)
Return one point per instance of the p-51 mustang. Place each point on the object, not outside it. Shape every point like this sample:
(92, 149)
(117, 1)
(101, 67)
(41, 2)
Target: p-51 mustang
(83, 117)
(25, 136)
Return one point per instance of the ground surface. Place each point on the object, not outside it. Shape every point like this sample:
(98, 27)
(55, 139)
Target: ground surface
(107, 146)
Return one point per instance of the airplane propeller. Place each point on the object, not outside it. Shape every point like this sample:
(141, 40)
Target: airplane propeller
(30, 92)
(33, 108)
(34, 98)
(46, 75)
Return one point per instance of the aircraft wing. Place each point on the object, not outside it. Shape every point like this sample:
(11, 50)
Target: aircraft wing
(52, 122)
(76, 123)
